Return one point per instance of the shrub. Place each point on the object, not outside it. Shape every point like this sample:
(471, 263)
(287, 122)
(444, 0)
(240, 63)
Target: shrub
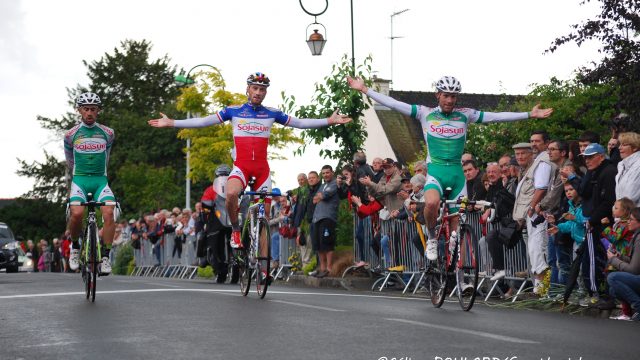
(124, 260)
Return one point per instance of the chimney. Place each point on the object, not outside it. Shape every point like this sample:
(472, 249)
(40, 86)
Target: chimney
(381, 85)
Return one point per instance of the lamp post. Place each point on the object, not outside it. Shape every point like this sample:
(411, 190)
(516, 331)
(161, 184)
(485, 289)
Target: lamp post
(394, 37)
(316, 39)
(186, 80)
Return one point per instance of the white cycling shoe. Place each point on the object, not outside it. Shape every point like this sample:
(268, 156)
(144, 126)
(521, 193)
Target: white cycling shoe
(105, 266)
(74, 256)
(432, 249)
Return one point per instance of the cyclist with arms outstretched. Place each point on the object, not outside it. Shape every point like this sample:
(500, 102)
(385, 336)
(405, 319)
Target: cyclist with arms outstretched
(86, 149)
(445, 132)
(251, 130)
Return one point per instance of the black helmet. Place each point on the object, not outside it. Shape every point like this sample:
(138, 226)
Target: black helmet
(223, 170)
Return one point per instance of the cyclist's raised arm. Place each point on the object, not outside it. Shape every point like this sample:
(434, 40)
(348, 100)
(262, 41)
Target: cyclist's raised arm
(399, 106)
(535, 113)
(164, 121)
(314, 123)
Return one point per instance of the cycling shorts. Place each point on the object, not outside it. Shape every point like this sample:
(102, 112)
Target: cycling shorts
(97, 185)
(244, 170)
(441, 177)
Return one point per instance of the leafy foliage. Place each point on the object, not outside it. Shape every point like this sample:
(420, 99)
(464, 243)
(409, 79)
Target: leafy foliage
(34, 218)
(49, 176)
(148, 187)
(132, 87)
(617, 28)
(334, 94)
(577, 107)
(212, 145)
(124, 256)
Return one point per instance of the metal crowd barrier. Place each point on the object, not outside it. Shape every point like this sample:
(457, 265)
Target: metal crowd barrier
(148, 263)
(287, 248)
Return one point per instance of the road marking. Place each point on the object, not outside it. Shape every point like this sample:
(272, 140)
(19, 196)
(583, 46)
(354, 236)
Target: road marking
(306, 305)
(75, 293)
(468, 332)
(159, 284)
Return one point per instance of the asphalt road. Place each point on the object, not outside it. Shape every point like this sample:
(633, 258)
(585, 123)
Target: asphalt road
(46, 316)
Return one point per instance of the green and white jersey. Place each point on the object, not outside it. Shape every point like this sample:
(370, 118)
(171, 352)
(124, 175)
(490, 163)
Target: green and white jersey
(445, 134)
(87, 148)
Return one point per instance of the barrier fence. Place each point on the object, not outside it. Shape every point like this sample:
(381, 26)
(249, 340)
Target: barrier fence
(404, 262)
(164, 259)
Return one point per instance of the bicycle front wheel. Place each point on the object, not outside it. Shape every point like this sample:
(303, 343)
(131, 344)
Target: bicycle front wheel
(467, 267)
(93, 259)
(264, 258)
(437, 278)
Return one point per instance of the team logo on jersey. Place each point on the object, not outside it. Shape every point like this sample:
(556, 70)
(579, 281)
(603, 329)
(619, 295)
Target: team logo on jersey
(90, 145)
(446, 129)
(252, 127)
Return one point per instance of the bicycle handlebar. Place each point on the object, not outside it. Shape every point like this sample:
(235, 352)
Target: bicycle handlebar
(94, 203)
(259, 193)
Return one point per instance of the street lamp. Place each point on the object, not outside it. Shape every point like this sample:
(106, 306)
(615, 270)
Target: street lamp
(183, 79)
(316, 39)
(394, 37)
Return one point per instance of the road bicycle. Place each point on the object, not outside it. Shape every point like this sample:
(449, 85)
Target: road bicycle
(253, 259)
(458, 256)
(90, 250)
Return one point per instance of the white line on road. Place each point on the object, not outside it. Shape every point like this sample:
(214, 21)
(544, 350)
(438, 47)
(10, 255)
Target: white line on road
(468, 332)
(159, 284)
(75, 293)
(305, 305)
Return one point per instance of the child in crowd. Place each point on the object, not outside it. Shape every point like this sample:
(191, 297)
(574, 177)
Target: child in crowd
(618, 235)
(574, 221)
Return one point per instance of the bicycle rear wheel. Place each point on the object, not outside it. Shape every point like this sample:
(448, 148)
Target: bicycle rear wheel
(467, 267)
(93, 259)
(437, 279)
(264, 259)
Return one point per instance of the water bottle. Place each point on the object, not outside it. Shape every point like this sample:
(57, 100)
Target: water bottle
(326, 232)
(453, 240)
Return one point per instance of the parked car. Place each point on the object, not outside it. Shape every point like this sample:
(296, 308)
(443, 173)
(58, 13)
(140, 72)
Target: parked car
(24, 259)
(6, 235)
(9, 258)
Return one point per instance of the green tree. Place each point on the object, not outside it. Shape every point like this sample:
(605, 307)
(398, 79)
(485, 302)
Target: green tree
(211, 146)
(133, 87)
(617, 28)
(334, 94)
(49, 178)
(577, 107)
(148, 187)
(35, 218)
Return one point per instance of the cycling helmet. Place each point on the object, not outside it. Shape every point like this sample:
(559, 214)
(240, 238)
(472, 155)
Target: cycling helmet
(449, 84)
(276, 192)
(223, 170)
(88, 98)
(258, 79)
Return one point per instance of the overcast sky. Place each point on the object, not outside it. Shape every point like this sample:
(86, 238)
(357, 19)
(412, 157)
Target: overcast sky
(491, 46)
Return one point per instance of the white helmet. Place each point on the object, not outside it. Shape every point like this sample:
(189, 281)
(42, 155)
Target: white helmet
(449, 84)
(88, 98)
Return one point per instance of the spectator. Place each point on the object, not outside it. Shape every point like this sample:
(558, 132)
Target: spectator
(325, 219)
(503, 200)
(66, 250)
(314, 186)
(416, 208)
(361, 169)
(467, 157)
(618, 234)
(44, 262)
(369, 210)
(420, 167)
(570, 223)
(349, 186)
(514, 175)
(153, 234)
(531, 189)
(33, 253)
(473, 175)
(56, 256)
(628, 176)
(303, 240)
(386, 189)
(555, 203)
(597, 190)
(586, 138)
(275, 218)
(575, 158)
(376, 166)
(624, 284)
